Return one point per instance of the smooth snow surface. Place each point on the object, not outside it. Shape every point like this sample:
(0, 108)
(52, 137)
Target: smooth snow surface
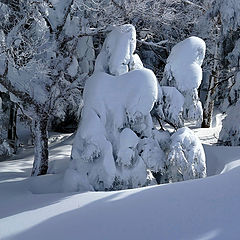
(204, 209)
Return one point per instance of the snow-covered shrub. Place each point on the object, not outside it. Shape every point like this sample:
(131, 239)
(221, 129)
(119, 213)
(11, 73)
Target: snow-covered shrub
(114, 147)
(186, 158)
(183, 71)
(230, 132)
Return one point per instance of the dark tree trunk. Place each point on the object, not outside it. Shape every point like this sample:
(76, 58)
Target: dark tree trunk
(12, 131)
(209, 104)
(40, 137)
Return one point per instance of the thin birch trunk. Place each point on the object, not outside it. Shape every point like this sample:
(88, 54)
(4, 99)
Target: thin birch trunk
(40, 135)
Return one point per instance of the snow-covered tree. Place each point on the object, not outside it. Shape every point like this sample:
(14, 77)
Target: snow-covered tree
(183, 71)
(114, 146)
(222, 59)
(40, 64)
(7, 135)
(230, 132)
(186, 158)
(227, 21)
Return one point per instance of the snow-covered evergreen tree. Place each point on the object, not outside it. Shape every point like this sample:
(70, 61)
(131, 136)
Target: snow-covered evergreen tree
(230, 132)
(183, 71)
(114, 146)
(186, 158)
(227, 13)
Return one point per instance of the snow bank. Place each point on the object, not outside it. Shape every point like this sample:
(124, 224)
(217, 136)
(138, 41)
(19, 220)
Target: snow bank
(204, 209)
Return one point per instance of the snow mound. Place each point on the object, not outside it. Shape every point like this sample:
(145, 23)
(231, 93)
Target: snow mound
(186, 159)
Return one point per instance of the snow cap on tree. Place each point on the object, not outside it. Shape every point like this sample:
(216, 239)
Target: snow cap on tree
(116, 56)
(184, 63)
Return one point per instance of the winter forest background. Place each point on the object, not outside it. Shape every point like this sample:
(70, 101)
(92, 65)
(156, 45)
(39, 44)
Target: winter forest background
(109, 95)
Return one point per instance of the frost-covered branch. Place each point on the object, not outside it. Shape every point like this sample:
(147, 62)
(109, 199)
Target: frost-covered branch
(195, 5)
(153, 44)
(23, 96)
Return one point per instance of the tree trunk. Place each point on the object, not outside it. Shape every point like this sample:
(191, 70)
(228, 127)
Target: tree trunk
(40, 137)
(209, 104)
(12, 131)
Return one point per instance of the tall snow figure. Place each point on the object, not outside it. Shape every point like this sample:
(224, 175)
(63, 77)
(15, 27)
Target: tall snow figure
(114, 146)
(183, 71)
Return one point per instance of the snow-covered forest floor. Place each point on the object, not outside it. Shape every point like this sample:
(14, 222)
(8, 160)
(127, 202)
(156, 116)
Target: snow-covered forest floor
(204, 209)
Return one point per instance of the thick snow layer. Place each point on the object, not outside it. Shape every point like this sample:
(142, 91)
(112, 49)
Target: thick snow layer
(57, 12)
(198, 209)
(73, 67)
(229, 13)
(32, 81)
(184, 63)
(234, 94)
(116, 56)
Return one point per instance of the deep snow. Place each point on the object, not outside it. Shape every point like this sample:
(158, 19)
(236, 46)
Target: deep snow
(200, 209)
